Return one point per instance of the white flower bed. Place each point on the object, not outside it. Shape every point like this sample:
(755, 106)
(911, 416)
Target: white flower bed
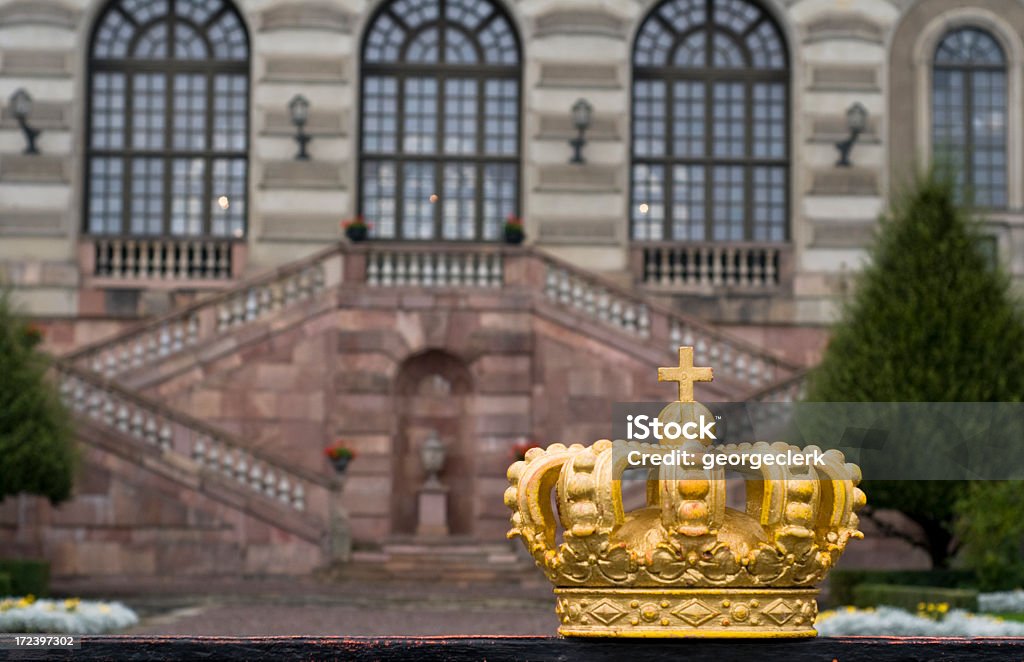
(890, 621)
(64, 616)
(1001, 601)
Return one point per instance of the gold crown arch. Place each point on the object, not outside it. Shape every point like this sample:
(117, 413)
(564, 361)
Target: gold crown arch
(685, 565)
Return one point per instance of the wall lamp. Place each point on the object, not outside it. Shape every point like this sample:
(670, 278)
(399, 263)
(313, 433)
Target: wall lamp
(581, 112)
(21, 107)
(298, 108)
(856, 122)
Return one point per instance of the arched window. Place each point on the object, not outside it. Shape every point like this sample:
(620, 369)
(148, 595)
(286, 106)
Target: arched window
(439, 156)
(710, 157)
(168, 118)
(969, 114)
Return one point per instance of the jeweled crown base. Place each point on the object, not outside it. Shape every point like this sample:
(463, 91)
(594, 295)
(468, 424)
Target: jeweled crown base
(697, 612)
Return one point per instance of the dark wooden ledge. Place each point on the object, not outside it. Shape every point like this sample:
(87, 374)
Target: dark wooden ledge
(252, 649)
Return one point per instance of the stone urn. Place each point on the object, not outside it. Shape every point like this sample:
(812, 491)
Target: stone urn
(432, 456)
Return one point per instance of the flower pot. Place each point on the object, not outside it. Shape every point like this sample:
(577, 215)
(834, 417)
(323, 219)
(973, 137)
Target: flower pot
(341, 463)
(356, 232)
(514, 236)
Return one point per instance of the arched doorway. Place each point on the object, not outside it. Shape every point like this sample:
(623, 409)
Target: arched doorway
(433, 391)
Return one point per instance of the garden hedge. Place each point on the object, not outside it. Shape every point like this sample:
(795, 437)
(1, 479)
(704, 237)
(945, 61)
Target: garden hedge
(841, 583)
(911, 597)
(27, 576)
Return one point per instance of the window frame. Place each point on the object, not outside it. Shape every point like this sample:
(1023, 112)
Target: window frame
(707, 75)
(966, 93)
(440, 71)
(169, 67)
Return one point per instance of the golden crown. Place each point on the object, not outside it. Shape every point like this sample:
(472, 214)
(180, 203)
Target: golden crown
(685, 565)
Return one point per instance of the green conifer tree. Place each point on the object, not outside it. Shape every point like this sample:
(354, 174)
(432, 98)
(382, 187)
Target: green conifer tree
(931, 320)
(36, 438)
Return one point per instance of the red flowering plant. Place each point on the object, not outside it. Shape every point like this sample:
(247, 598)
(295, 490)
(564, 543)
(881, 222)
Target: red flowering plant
(519, 449)
(356, 229)
(340, 454)
(514, 233)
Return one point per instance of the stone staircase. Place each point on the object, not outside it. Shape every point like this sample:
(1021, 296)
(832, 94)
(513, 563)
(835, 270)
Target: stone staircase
(105, 383)
(215, 326)
(451, 562)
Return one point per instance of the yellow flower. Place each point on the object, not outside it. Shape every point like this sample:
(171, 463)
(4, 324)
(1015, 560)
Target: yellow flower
(104, 609)
(921, 606)
(71, 604)
(943, 607)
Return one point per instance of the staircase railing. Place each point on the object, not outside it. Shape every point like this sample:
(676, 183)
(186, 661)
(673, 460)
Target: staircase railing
(186, 441)
(454, 266)
(211, 316)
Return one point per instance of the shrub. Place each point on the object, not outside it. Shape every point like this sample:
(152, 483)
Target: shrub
(841, 583)
(5, 585)
(927, 295)
(27, 576)
(71, 616)
(36, 439)
(912, 597)
(991, 524)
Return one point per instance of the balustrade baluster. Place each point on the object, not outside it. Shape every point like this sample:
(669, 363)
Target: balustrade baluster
(241, 467)
(213, 456)
(373, 269)
(615, 313)
(455, 270)
(178, 337)
(269, 482)
(256, 477)
(152, 436)
(166, 435)
(577, 293)
(629, 318)
(564, 287)
(771, 275)
(223, 316)
(428, 270)
(138, 425)
(165, 341)
(108, 409)
(497, 277)
(414, 270)
(299, 498)
(227, 462)
(603, 305)
(643, 322)
(551, 284)
(387, 269)
(121, 419)
(401, 269)
(284, 490)
(482, 273)
(199, 452)
(252, 305)
(442, 269)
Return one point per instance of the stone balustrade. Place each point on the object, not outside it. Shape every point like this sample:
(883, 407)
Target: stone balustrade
(245, 303)
(171, 434)
(747, 365)
(711, 266)
(575, 289)
(162, 258)
(428, 266)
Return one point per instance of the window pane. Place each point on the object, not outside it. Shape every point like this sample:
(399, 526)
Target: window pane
(730, 123)
(420, 116)
(230, 113)
(228, 204)
(379, 191)
(501, 117)
(417, 208)
(380, 107)
(770, 204)
(459, 200)
(460, 114)
(769, 120)
(688, 129)
(500, 192)
(107, 128)
(688, 213)
(649, 118)
(727, 203)
(187, 199)
(190, 111)
(147, 189)
(106, 193)
(149, 104)
(648, 208)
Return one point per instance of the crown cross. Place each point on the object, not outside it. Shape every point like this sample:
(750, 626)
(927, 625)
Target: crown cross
(686, 374)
